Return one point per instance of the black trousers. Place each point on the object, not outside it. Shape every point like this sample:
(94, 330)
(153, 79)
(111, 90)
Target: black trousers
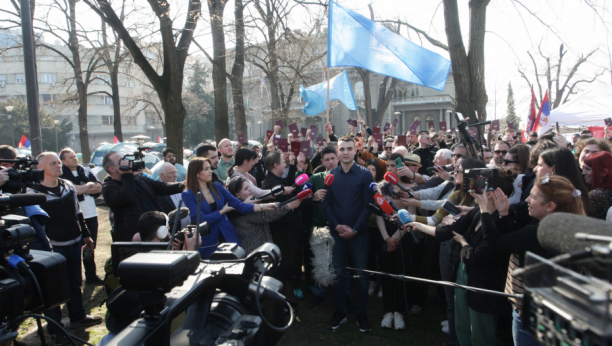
(88, 259)
(396, 262)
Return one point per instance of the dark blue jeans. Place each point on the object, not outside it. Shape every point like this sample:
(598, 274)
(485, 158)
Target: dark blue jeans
(353, 251)
(90, 264)
(76, 311)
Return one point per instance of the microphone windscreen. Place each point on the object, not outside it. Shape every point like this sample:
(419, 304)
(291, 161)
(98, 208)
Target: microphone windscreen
(556, 232)
(329, 179)
(307, 186)
(301, 179)
(386, 189)
(304, 194)
(183, 213)
(390, 177)
(404, 216)
(26, 199)
(383, 204)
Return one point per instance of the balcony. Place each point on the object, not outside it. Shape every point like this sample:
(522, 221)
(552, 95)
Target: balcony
(421, 100)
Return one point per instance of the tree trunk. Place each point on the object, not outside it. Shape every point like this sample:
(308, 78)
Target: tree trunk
(81, 87)
(367, 94)
(478, 95)
(215, 7)
(114, 74)
(175, 116)
(384, 97)
(238, 72)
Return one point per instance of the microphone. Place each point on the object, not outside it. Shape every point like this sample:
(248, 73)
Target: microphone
(481, 123)
(376, 210)
(387, 189)
(301, 180)
(556, 233)
(405, 218)
(182, 213)
(200, 199)
(383, 204)
(307, 186)
(23, 200)
(329, 179)
(392, 206)
(275, 191)
(391, 178)
(302, 195)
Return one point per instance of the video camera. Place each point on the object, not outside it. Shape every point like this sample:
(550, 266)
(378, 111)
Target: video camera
(136, 160)
(188, 301)
(479, 180)
(22, 174)
(30, 280)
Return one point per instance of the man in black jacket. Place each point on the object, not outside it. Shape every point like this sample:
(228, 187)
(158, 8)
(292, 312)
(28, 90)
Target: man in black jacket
(129, 195)
(425, 152)
(67, 232)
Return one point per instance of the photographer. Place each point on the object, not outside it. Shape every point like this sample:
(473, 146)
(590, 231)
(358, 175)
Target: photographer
(67, 233)
(8, 186)
(129, 195)
(88, 188)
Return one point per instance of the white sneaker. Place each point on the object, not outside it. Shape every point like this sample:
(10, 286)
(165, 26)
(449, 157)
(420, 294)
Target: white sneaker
(372, 288)
(399, 321)
(387, 321)
(416, 310)
(380, 293)
(444, 323)
(445, 329)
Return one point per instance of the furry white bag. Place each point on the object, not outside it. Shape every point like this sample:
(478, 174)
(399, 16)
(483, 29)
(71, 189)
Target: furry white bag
(322, 245)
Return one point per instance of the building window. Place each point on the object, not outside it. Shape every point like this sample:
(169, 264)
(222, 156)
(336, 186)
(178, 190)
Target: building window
(151, 118)
(107, 120)
(19, 78)
(130, 120)
(129, 84)
(429, 119)
(358, 91)
(2, 80)
(47, 77)
(47, 99)
(107, 100)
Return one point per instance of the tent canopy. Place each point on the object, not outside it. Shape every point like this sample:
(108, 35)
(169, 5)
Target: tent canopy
(589, 108)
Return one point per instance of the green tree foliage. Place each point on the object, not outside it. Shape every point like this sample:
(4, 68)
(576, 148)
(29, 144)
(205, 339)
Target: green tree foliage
(12, 129)
(199, 123)
(510, 111)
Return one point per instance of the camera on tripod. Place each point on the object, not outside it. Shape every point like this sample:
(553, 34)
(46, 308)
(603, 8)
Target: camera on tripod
(22, 174)
(135, 159)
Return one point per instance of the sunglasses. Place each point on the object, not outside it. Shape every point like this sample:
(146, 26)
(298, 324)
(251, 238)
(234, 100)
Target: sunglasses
(501, 152)
(458, 155)
(388, 148)
(506, 162)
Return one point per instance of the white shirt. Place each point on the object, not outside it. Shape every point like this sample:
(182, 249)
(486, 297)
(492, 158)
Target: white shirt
(176, 198)
(88, 205)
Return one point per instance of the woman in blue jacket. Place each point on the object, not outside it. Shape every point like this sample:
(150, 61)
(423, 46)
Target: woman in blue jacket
(216, 204)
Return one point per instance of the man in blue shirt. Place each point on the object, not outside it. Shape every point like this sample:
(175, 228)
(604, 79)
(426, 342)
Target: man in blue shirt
(344, 206)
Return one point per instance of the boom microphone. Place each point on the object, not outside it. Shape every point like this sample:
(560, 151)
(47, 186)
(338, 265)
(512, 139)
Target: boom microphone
(301, 196)
(22, 200)
(301, 180)
(275, 191)
(405, 218)
(556, 233)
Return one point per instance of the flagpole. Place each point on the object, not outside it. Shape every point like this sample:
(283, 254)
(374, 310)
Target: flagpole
(327, 113)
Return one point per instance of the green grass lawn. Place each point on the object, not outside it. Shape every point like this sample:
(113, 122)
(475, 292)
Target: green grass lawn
(311, 330)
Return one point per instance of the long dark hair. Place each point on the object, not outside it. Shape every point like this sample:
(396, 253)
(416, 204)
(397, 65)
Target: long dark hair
(235, 185)
(240, 157)
(463, 197)
(379, 174)
(520, 153)
(196, 165)
(566, 166)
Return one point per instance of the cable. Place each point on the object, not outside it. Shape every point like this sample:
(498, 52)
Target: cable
(404, 287)
(40, 295)
(22, 318)
(258, 304)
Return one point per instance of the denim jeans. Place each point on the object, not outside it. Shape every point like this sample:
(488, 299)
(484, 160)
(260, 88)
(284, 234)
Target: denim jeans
(353, 251)
(90, 264)
(76, 311)
(520, 335)
(446, 272)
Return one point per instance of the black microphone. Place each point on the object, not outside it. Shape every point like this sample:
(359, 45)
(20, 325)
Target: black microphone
(200, 199)
(275, 191)
(23, 200)
(482, 123)
(182, 213)
(386, 188)
(556, 233)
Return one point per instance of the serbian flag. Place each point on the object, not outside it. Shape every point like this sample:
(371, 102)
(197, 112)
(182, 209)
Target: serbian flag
(531, 117)
(543, 114)
(116, 141)
(159, 140)
(24, 143)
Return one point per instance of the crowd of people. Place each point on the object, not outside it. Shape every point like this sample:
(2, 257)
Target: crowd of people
(247, 195)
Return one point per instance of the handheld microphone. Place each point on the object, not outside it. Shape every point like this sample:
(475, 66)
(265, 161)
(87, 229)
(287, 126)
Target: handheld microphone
(307, 186)
(405, 218)
(301, 196)
(391, 178)
(392, 206)
(275, 191)
(387, 189)
(383, 204)
(329, 179)
(376, 210)
(301, 180)
(23, 200)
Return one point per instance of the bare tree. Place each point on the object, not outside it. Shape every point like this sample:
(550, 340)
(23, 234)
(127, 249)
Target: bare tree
(561, 82)
(175, 44)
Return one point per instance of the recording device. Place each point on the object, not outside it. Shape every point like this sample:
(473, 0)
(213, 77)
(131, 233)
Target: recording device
(186, 301)
(391, 178)
(301, 180)
(30, 280)
(479, 180)
(329, 179)
(387, 190)
(556, 232)
(405, 218)
(275, 191)
(22, 200)
(451, 208)
(302, 195)
(136, 160)
(307, 186)
(22, 175)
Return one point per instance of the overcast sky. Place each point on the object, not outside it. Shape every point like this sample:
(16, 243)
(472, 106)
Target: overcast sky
(511, 31)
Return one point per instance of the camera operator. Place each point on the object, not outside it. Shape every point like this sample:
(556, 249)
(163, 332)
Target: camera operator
(87, 187)
(7, 153)
(67, 233)
(129, 195)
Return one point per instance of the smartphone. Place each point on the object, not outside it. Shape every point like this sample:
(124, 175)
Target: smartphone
(451, 209)
(557, 126)
(399, 163)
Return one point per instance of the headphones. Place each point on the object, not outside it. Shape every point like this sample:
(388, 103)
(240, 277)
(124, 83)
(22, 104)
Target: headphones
(162, 231)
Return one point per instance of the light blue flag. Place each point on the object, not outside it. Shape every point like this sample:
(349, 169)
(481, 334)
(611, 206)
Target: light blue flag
(353, 40)
(339, 89)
